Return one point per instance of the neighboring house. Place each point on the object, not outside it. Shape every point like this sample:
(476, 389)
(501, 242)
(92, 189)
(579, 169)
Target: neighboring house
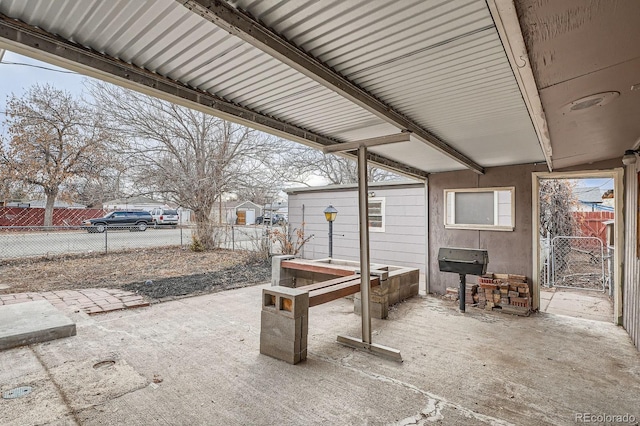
(133, 203)
(589, 199)
(237, 212)
(609, 199)
(397, 222)
(41, 204)
(246, 213)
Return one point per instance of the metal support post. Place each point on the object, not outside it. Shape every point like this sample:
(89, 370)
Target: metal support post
(365, 269)
(331, 239)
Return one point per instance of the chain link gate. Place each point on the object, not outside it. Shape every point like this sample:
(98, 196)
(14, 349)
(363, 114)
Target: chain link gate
(578, 262)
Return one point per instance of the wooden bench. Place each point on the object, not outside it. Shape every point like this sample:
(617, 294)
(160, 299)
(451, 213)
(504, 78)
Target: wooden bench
(285, 314)
(326, 291)
(317, 267)
(347, 283)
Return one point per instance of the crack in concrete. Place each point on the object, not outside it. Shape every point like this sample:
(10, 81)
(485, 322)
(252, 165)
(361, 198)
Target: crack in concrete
(435, 403)
(63, 395)
(108, 330)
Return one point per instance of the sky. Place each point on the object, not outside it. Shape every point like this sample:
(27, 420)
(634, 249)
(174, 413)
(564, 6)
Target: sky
(15, 79)
(603, 184)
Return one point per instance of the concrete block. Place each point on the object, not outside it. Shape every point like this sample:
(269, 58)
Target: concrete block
(405, 291)
(279, 326)
(382, 273)
(414, 289)
(289, 302)
(394, 284)
(382, 289)
(394, 297)
(282, 349)
(280, 276)
(376, 310)
(373, 297)
(303, 278)
(284, 324)
(32, 322)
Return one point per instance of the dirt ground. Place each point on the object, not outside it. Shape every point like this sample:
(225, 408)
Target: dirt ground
(158, 274)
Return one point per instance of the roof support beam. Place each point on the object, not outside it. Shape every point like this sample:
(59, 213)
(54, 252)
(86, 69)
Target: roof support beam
(245, 27)
(382, 140)
(34, 42)
(508, 26)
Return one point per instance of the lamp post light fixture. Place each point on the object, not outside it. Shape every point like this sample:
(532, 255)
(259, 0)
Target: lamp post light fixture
(330, 214)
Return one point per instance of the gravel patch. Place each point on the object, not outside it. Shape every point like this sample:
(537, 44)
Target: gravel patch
(237, 276)
(174, 271)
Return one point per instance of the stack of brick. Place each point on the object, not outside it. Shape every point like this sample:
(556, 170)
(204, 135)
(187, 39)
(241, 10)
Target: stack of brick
(508, 292)
(451, 293)
(470, 294)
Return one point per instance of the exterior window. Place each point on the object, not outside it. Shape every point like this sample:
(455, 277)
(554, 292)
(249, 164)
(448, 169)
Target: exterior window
(376, 214)
(480, 208)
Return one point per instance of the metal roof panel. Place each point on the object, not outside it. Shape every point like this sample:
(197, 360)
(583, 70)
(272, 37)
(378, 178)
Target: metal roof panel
(439, 63)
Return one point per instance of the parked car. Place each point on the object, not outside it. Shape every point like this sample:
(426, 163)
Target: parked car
(275, 219)
(134, 220)
(163, 216)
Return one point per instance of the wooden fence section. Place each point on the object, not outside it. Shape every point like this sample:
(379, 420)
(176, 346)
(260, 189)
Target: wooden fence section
(592, 224)
(17, 216)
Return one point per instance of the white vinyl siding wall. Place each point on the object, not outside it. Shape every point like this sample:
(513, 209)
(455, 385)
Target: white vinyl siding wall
(402, 241)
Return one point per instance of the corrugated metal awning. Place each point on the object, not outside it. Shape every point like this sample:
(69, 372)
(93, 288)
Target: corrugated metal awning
(439, 64)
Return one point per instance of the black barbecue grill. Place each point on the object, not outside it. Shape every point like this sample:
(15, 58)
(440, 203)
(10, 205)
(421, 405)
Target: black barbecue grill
(463, 262)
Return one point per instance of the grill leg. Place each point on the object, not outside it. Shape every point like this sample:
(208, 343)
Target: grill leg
(462, 291)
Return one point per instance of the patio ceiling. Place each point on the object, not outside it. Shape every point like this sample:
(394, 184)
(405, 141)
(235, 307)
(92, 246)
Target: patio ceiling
(315, 72)
(586, 60)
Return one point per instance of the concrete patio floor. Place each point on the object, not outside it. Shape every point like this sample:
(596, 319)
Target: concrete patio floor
(195, 361)
(587, 304)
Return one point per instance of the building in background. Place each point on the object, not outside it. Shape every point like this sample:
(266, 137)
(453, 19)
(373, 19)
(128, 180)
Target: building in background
(397, 222)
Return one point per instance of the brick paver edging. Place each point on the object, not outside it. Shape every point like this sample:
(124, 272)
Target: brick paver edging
(92, 300)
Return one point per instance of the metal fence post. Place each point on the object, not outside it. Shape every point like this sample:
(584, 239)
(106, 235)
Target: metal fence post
(106, 244)
(233, 238)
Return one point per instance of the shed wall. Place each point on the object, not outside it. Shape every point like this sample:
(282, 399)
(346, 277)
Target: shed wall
(402, 243)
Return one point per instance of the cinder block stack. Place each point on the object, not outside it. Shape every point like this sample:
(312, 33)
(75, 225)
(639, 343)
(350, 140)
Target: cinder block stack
(284, 323)
(509, 293)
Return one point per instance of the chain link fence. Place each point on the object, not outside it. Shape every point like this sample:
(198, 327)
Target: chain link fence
(37, 241)
(575, 262)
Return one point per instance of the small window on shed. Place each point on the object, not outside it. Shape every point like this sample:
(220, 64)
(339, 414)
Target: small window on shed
(480, 208)
(376, 214)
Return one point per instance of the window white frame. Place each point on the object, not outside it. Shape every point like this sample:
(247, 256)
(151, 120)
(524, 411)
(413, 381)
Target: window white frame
(504, 209)
(382, 215)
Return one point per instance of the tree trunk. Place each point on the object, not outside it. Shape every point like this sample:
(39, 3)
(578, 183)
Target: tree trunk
(205, 230)
(48, 208)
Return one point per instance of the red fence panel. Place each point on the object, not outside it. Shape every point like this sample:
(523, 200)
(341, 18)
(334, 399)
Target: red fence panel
(592, 224)
(17, 216)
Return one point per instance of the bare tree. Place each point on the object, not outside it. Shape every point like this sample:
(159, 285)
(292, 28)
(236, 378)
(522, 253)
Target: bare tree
(557, 202)
(339, 170)
(54, 139)
(189, 157)
(94, 191)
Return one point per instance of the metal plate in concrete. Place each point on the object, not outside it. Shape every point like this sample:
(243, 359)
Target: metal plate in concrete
(32, 322)
(17, 392)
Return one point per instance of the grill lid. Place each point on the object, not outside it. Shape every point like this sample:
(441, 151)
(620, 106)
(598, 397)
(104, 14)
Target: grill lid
(463, 260)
